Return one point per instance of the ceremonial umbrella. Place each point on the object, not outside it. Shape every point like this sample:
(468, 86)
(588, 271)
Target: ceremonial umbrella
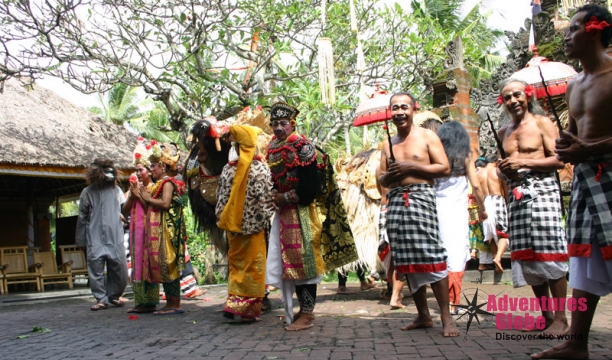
(556, 74)
(374, 109)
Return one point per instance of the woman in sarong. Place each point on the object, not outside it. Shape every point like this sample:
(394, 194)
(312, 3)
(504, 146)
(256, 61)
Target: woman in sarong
(244, 211)
(164, 252)
(146, 294)
(452, 205)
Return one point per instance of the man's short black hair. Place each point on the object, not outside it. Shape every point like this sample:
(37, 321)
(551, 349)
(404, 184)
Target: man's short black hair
(491, 158)
(403, 94)
(601, 14)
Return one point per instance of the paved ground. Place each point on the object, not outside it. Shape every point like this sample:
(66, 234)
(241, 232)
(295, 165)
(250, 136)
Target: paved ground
(359, 326)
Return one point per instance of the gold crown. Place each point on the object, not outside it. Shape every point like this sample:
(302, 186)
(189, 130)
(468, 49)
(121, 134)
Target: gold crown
(282, 110)
(163, 154)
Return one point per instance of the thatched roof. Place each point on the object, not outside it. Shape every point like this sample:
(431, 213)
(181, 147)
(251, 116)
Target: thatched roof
(39, 128)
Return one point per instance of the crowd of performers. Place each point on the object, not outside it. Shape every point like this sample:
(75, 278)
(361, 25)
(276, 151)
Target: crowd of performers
(278, 212)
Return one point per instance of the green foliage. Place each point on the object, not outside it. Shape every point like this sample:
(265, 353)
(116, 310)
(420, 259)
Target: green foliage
(200, 58)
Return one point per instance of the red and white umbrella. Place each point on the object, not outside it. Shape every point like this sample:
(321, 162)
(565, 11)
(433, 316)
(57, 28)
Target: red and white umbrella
(374, 109)
(556, 74)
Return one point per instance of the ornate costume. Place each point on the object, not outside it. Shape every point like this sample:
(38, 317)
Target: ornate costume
(202, 179)
(244, 211)
(146, 294)
(164, 255)
(301, 246)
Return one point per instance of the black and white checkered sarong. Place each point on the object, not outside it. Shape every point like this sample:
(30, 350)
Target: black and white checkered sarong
(535, 229)
(501, 215)
(412, 227)
(590, 215)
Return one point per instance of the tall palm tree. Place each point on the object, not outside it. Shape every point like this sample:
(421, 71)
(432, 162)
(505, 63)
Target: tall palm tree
(123, 105)
(472, 28)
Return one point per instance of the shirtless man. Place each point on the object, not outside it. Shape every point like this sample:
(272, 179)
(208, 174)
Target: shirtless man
(588, 145)
(539, 250)
(496, 225)
(413, 223)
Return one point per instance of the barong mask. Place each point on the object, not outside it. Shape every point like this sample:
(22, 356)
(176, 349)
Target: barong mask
(109, 174)
(102, 173)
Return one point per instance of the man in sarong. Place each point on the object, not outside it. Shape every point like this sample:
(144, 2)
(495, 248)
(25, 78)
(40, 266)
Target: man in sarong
(164, 255)
(244, 210)
(99, 229)
(300, 246)
(539, 250)
(587, 144)
(411, 216)
(146, 295)
(495, 227)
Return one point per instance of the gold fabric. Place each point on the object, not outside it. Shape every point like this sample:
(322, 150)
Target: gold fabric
(164, 253)
(247, 265)
(246, 137)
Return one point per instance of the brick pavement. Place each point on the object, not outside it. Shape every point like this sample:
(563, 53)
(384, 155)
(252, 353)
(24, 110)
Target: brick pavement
(358, 326)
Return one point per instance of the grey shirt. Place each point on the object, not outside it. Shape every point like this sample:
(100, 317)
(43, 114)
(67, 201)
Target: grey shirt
(99, 222)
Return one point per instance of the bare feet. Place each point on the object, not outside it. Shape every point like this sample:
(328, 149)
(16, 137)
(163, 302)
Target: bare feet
(419, 323)
(450, 330)
(498, 266)
(567, 350)
(197, 293)
(397, 303)
(367, 286)
(557, 328)
(483, 267)
(305, 321)
(473, 255)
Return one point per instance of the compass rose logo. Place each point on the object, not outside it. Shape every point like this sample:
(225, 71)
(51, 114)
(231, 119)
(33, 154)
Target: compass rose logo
(474, 310)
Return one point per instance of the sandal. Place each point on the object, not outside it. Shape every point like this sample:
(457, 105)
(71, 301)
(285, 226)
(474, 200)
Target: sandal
(117, 302)
(99, 306)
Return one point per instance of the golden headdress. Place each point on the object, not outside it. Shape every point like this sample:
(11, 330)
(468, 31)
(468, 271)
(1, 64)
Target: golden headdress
(167, 153)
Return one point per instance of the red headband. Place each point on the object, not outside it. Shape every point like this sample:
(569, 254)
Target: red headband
(595, 24)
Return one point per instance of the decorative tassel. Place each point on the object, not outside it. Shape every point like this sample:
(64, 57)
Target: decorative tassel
(327, 79)
(323, 10)
(360, 66)
(353, 16)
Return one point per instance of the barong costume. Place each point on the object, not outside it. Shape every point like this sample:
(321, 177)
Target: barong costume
(99, 228)
(453, 216)
(589, 226)
(535, 230)
(244, 211)
(496, 225)
(164, 255)
(301, 246)
(414, 235)
(204, 178)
